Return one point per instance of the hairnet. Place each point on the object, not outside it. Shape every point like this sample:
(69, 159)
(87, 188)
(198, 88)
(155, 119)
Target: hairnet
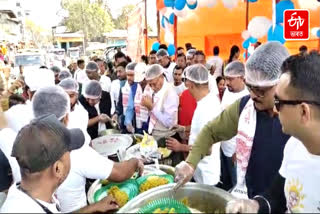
(130, 67)
(69, 85)
(191, 52)
(140, 72)
(92, 89)
(55, 69)
(263, 68)
(92, 66)
(154, 71)
(38, 78)
(234, 69)
(197, 73)
(51, 100)
(162, 52)
(64, 74)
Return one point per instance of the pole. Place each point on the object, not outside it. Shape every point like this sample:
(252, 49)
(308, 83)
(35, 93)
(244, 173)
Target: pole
(158, 25)
(247, 23)
(146, 28)
(175, 32)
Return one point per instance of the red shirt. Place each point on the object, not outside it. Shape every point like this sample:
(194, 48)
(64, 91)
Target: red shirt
(187, 106)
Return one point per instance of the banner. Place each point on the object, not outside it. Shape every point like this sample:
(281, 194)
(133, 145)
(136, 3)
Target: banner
(135, 40)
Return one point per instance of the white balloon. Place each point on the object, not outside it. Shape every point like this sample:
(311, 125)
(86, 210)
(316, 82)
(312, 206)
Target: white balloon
(211, 3)
(163, 11)
(168, 37)
(245, 34)
(309, 4)
(314, 31)
(192, 2)
(230, 3)
(258, 26)
(181, 13)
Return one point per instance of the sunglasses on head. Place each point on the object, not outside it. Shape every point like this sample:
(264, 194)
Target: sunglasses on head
(278, 103)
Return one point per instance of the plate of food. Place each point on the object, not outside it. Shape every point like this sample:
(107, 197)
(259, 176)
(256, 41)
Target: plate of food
(151, 181)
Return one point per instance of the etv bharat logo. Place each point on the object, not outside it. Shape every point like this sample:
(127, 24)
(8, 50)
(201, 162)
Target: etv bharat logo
(296, 24)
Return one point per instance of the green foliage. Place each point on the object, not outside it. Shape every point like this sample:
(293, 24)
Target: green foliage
(121, 21)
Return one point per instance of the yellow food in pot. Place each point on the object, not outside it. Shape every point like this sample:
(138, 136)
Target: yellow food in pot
(151, 182)
(120, 196)
(166, 210)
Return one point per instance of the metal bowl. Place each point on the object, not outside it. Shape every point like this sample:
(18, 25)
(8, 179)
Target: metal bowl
(109, 132)
(203, 198)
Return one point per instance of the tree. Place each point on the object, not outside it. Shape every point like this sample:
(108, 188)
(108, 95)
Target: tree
(121, 21)
(38, 35)
(90, 18)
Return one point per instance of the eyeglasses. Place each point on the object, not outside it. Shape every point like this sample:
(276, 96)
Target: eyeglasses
(279, 103)
(259, 91)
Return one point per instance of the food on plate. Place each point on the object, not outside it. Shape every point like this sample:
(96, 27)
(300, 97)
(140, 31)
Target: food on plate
(151, 182)
(164, 152)
(120, 196)
(166, 210)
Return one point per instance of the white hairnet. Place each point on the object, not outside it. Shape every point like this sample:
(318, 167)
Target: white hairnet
(154, 71)
(92, 66)
(263, 67)
(234, 69)
(39, 78)
(162, 52)
(197, 73)
(51, 100)
(140, 72)
(64, 74)
(69, 85)
(191, 52)
(92, 89)
(130, 67)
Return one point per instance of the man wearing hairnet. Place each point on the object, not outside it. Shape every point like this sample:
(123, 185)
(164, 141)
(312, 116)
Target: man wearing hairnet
(165, 61)
(162, 104)
(197, 78)
(236, 89)
(92, 70)
(260, 140)
(98, 105)
(191, 57)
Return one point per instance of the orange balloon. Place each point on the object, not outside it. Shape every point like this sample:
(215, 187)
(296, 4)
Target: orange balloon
(160, 4)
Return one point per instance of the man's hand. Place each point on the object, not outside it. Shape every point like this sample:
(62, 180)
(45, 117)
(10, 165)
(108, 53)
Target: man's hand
(130, 129)
(106, 204)
(173, 144)
(115, 117)
(103, 118)
(147, 102)
(183, 173)
(242, 206)
(140, 167)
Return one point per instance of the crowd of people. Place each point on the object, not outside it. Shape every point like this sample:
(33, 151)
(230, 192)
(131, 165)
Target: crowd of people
(247, 128)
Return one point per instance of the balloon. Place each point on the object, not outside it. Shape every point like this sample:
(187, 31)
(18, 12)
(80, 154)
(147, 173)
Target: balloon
(171, 18)
(307, 4)
(171, 49)
(314, 31)
(168, 37)
(253, 1)
(318, 33)
(246, 44)
(245, 34)
(281, 6)
(258, 26)
(160, 4)
(163, 10)
(155, 46)
(191, 2)
(181, 13)
(168, 3)
(230, 3)
(192, 6)
(180, 4)
(244, 55)
(252, 40)
(277, 34)
(164, 21)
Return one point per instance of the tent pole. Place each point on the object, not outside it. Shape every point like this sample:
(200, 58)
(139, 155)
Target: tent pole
(247, 22)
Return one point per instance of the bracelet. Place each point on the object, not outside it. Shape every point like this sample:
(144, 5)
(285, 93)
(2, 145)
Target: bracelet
(264, 199)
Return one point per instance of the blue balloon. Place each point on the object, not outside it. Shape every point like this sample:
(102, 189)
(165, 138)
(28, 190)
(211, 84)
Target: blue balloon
(180, 4)
(246, 44)
(168, 3)
(163, 21)
(192, 6)
(252, 40)
(318, 33)
(277, 34)
(244, 55)
(171, 50)
(171, 18)
(155, 46)
(253, 1)
(281, 6)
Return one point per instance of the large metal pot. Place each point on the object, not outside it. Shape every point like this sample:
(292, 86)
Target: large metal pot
(109, 132)
(201, 197)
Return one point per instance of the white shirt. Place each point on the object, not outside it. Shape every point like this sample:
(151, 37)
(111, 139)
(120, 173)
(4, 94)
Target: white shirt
(7, 137)
(180, 88)
(79, 118)
(105, 82)
(81, 76)
(302, 173)
(19, 115)
(85, 163)
(115, 93)
(218, 63)
(208, 169)
(19, 202)
(213, 87)
(169, 72)
(229, 147)
(101, 126)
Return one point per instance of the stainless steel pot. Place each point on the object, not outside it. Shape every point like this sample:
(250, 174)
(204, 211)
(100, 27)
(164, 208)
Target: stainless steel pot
(109, 132)
(204, 198)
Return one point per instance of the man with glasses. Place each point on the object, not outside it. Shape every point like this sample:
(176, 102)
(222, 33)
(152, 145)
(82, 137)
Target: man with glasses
(297, 100)
(165, 61)
(259, 138)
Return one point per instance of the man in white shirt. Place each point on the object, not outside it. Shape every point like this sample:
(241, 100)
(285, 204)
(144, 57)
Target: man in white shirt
(85, 162)
(179, 85)
(236, 89)
(80, 75)
(168, 66)
(42, 149)
(208, 108)
(216, 62)
(297, 99)
(92, 70)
